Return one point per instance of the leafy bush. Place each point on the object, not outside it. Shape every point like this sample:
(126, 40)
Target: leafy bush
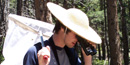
(99, 62)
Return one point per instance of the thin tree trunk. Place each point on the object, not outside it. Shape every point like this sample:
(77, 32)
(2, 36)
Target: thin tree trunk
(73, 3)
(124, 34)
(101, 4)
(24, 7)
(129, 6)
(103, 34)
(3, 21)
(37, 9)
(19, 7)
(57, 1)
(41, 11)
(3, 17)
(65, 4)
(103, 49)
(113, 29)
(99, 51)
(106, 28)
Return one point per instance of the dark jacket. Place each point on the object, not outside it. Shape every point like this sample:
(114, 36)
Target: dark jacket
(32, 59)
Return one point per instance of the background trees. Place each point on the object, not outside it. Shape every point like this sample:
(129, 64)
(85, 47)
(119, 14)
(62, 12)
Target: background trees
(113, 33)
(110, 18)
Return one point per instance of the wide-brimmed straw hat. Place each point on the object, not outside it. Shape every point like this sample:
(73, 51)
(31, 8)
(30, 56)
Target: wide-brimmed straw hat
(76, 20)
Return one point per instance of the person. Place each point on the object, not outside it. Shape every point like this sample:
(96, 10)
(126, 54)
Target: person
(59, 48)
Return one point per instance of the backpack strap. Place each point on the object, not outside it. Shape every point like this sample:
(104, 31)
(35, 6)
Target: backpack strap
(52, 45)
(72, 55)
(46, 43)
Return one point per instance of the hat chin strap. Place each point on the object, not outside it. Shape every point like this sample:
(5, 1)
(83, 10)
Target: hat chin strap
(65, 33)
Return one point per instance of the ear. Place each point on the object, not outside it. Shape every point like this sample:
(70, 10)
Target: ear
(62, 29)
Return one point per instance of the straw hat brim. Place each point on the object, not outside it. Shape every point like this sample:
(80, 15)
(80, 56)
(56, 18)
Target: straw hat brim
(66, 17)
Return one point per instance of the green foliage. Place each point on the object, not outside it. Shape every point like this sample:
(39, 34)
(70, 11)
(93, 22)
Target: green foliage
(96, 16)
(99, 62)
(12, 6)
(1, 58)
(1, 48)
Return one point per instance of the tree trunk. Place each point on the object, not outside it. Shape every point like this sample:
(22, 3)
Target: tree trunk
(99, 52)
(106, 41)
(103, 49)
(3, 21)
(57, 2)
(73, 3)
(113, 29)
(124, 34)
(101, 4)
(37, 9)
(65, 4)
(129, 6)
(103, 34)
(3, 17)
(19, 7)
(41, 11)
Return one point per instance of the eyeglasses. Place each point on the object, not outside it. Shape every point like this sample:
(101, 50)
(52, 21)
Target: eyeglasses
(87, 47)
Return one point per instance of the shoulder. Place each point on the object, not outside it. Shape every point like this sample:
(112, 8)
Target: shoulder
(30, 57)
(35, 48)
(32, 51)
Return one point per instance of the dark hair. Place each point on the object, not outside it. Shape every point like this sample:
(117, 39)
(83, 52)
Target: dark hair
(58, 26)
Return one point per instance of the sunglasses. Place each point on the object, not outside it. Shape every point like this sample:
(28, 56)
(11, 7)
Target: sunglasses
(87, 47)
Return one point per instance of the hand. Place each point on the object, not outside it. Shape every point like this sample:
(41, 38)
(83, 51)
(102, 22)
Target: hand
(88, 59)
(44, 56)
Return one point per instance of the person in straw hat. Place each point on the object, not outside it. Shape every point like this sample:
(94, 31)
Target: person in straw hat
(72, 23)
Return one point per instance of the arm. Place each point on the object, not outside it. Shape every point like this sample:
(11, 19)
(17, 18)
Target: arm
(88, 59)
(44, 56)
(34, 58)
(30, 57)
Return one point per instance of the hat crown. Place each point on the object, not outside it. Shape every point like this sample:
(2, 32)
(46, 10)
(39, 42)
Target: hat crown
(76, 20)
(78, 17)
